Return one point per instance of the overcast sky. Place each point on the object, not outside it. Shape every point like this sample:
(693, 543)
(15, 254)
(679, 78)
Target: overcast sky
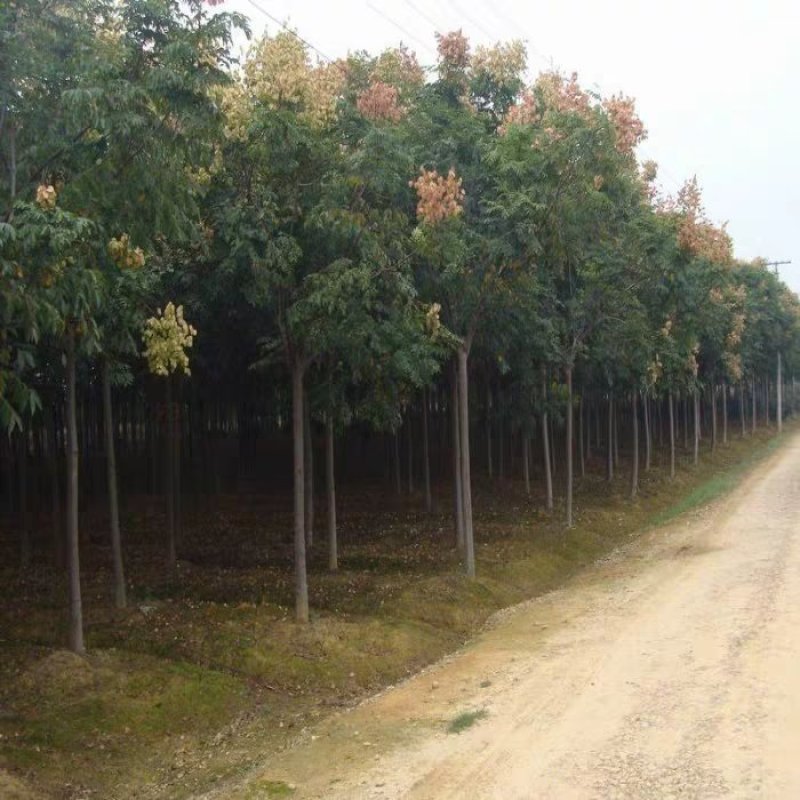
(716, 83)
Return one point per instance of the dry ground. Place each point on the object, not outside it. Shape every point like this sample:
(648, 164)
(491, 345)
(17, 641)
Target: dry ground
(670, 669)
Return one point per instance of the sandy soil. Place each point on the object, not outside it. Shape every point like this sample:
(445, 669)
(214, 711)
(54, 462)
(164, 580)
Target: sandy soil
(672, 669)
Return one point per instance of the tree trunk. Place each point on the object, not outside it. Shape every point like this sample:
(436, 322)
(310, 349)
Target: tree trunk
(410, 451)
(610, 448)
(753, 391)
(170, 473)
(501, 467)
(489, 463)
(724, 413)
(458, 498)
(176, 458)
(742, 404)
(298, 415)
(426, 462)
(73, 556)
(113, 502)
(685, 422)
(671, 402)
(714, 434)
(398, 480)
(581, 427)
(647, 433)
(635, 463)
(526, 469)
(24, 513)
(696, 398)
(330, 487)
(569, 446)
(466, 484)
(55, 488)
(308, 473)
(548, 474)
(779, 393)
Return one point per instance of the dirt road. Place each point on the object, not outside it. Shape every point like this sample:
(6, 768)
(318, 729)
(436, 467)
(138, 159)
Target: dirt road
(670, 670)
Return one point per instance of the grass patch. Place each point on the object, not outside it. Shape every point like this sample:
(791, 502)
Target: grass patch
(268, 790)
(718, 485)
(466, 719)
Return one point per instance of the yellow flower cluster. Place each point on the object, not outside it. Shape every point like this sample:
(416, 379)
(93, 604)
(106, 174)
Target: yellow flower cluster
(166, 338)
(125, 256)
(399, 67)
(432, 321)
(654, 371)
(504, 63)
(46, 196)
(279, 74)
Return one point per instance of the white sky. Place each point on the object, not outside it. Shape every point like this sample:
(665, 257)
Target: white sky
(716, 82)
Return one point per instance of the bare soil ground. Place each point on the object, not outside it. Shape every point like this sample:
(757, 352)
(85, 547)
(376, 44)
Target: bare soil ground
(670, 669)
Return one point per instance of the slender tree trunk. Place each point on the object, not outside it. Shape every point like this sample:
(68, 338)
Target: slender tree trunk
(635, 464)
(426, 461)
(24, 513)
(647, 433)
(500, 435)
(55, 488)
(398, 480)
(330, 486)
(696, 398)
(671, 402)
(113, 502)
(526, 469)
(685, 422)
(489, 463)
(742, 405)
(175, 453)
(753, 392)
(308, 474)
(714, 434)
(458, 497)
(724, 413)
(581, 427)
(779, 392)
(298, 415)
(73, 556)
(588, 426)
(569, 446)
(466, 482)
(616, 436)
(610, 448)
(410, 451)
(169, 464)
(548, 474)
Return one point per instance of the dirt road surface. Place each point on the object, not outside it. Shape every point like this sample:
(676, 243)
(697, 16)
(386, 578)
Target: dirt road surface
(671, 670)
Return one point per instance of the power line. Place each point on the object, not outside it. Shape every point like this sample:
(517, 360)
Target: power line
(399, 27)
(288, 30)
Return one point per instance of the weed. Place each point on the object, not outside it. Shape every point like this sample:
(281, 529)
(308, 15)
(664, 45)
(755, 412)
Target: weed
(466, 719)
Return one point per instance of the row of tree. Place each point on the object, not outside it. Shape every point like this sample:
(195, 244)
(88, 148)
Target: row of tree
(364, 245)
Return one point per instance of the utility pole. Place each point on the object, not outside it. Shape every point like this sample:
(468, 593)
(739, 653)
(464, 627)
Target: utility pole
(779, 387)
